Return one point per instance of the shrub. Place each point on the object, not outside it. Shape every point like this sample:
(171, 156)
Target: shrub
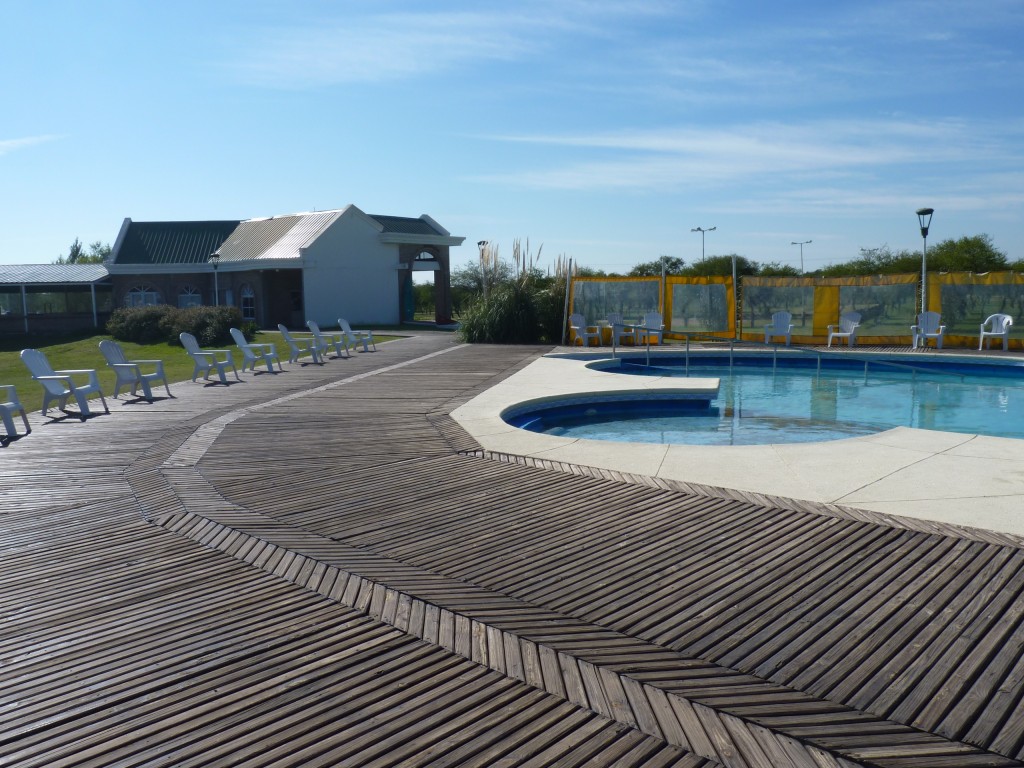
(152, 324)
(210, 325)
(507, 316)
(550, 304)
(249, 329)
(142, 325)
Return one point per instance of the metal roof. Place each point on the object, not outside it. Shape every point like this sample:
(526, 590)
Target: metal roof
(279, 237)
(274, 238)
(53, 274)
(172, 242)
(405, 225)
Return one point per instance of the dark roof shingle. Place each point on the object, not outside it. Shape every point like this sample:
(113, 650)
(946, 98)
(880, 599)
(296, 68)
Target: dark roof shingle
(405, 225)
(172, 242)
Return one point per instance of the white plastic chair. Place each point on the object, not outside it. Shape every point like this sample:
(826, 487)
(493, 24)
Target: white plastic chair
(650, 326)
(929, 326)
(782, 325)
(300, 347)
(583, 332)
(848, 325)
(999, 327)
(251, 352)
(208, 359)
(9, 406)
(60, 385)
(355, 338)
(325, 340)
(130, 371)
(620, 330)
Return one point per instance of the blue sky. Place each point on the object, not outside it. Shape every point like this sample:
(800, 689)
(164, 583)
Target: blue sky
(602, 131)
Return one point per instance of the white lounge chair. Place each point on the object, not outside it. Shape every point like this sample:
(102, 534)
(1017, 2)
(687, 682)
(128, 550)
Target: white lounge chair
(251, 352)
(207, 359)
(849, 322)
(9, 406)
(325, 340)
(620, 330)
(929, 326)
(60, 385)
(130, 371)
(355, 338)
(299, 347)
(998, 327)
(782, 325)
(650, 326)
(583, 333)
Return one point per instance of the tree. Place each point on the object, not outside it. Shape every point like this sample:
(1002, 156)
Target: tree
(673, 266)
(876, 261)
(968, 254)
(775, 269)
(98, 253)
(722, 266)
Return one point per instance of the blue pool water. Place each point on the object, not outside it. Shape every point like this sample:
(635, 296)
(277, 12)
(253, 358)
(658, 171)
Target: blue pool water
(797, 403)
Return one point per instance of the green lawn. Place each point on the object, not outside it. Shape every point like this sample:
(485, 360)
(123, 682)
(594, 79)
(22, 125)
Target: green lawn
(71, 352)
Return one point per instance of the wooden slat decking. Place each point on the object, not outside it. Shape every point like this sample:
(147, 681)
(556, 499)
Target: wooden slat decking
(334, 574)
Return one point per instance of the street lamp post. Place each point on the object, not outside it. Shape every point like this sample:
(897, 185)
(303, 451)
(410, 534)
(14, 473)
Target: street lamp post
(802, 244)
(702, 231)
(924, 218)
(482, 245)
(214, 262)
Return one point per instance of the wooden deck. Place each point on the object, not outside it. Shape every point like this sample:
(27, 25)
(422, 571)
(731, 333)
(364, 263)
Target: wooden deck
(320, 568)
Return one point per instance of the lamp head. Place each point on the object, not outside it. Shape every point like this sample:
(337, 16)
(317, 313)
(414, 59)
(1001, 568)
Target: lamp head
(924, 218)
(214, 260)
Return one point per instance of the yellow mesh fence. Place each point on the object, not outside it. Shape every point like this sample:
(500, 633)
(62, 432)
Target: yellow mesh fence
(701, 305)
(888, 304)
(967, 299)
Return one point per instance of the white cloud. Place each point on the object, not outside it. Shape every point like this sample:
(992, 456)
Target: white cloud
(673, 158)
(12, 145)
(394, 46)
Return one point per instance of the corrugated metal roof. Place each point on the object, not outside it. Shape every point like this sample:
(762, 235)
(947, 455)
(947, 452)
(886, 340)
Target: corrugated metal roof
(172, 242)
(279, 237)
(405, 225)
(52, 273)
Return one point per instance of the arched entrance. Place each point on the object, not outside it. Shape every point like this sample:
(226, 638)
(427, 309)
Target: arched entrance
(420, 295)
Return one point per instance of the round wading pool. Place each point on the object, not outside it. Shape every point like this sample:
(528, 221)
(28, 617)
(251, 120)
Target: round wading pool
(765, 399)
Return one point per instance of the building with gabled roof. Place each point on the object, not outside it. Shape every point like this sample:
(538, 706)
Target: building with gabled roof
(286, 269)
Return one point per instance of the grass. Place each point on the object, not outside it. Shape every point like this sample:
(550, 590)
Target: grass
(82, 351)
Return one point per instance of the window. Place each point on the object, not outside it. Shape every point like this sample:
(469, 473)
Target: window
(189, 296)
(248, 303)
(142, 296)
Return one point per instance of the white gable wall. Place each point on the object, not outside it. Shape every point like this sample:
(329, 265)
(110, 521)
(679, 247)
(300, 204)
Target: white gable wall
(349, 273)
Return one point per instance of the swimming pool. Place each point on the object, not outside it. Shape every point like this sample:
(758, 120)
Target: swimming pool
(764, 399)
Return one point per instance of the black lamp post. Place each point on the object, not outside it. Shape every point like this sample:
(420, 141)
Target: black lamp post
(802, 244)
(482, 245)
(214, 262)
(924, 218)
(702, 231)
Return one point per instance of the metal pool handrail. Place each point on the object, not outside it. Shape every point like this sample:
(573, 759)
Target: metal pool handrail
(818, 353)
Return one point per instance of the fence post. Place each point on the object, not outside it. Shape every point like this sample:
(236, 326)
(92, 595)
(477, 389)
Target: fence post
(565, 309)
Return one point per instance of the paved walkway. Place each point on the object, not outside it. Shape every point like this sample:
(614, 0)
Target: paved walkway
(321, 567)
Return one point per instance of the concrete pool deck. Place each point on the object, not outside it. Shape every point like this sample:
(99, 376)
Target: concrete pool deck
(968, 480)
